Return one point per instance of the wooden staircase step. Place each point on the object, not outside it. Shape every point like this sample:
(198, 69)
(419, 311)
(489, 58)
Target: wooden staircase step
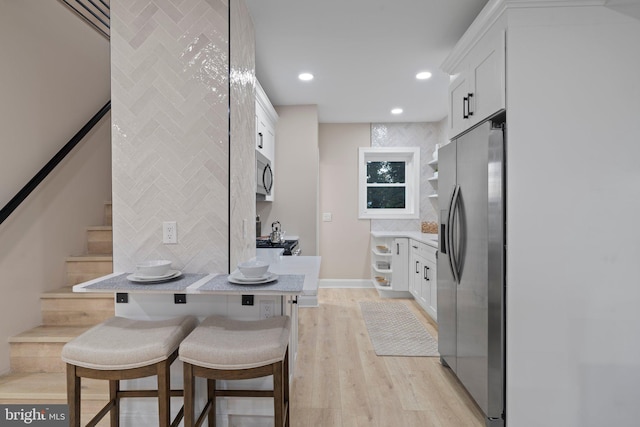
(84, 268)
(64, 307)
(51, 388)
(100, 240)
(47, 386)
(49, 334)
(39, 349)
(66, 292)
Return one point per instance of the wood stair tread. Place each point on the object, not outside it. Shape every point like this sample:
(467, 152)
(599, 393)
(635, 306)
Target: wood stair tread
(67, 292)
(90, 258)
(100, 228)
(29, 387)
(49, 334)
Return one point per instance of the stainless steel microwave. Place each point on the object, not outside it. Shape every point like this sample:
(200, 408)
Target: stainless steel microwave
(264, 175)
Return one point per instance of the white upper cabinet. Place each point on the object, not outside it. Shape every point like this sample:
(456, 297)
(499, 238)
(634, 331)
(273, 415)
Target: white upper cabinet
(478, 89)
(266, 119)
(265, 133)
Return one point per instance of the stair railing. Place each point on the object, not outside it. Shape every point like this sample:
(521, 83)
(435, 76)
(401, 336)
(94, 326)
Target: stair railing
(95, 12)
(13, 204)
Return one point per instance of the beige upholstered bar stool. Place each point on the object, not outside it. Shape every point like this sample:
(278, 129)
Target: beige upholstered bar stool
(225, 349)
(123, 349)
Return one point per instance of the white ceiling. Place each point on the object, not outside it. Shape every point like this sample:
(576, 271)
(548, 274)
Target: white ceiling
(364, 55)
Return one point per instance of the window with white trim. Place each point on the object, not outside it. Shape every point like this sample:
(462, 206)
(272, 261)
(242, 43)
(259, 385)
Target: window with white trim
(389, 182)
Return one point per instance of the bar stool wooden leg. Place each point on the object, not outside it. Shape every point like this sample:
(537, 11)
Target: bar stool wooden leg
(278, 395)
(73, 396)
(211, 396)
(164, 395)
(114, 390)
(189, 391)
(285, 379)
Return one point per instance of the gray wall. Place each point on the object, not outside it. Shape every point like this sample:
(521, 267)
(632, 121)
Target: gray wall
(295, 176)
(49, 56)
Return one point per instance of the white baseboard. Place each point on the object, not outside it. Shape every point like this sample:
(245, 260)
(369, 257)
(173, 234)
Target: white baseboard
(345, 283)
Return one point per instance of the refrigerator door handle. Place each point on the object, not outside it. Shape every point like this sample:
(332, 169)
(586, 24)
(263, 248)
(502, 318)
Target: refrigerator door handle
(453, 262)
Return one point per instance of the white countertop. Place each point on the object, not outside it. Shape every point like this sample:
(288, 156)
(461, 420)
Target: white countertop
(191, 283)
(307, 265)
(426, 238)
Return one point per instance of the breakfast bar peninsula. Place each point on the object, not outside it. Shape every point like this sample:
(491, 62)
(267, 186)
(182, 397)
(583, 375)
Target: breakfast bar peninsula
(203, 295)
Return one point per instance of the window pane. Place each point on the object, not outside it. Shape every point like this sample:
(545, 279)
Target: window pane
(385, 197)
(385, 172)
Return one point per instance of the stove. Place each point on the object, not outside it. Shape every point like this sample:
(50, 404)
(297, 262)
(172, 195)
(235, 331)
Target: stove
(290, 246)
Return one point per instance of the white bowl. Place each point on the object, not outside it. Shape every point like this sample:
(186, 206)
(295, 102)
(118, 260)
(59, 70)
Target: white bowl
(153, 268)
(253, 269)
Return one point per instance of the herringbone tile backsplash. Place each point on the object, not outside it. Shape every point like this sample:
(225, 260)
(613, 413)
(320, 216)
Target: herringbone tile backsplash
(170, 103)
(425, 136)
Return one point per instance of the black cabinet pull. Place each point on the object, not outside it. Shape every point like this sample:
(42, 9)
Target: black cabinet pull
(397, 248)
(417, 271)
(260, 143)
(469, 104)
(465, 107)
(426, 273)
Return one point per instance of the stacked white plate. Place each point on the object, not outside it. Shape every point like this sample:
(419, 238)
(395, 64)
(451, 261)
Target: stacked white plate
(239, 279)
(171, 274)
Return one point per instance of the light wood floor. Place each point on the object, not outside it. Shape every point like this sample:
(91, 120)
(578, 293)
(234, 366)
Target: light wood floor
(340, 382)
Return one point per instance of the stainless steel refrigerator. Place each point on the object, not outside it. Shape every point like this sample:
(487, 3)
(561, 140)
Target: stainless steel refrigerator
(471, 263)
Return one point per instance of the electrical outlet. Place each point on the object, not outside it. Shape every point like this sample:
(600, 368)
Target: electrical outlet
(267, 308)
(169, 232)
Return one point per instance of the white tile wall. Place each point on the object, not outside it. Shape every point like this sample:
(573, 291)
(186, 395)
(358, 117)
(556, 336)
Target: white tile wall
(243, 111)
(426, 136)
(170, 100)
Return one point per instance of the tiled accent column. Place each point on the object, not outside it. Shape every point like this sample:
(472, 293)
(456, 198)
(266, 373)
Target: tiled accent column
(243, 134)
(170, 89)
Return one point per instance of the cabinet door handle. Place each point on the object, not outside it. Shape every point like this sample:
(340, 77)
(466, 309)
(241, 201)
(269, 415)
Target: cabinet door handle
(465, 107)
(469, 104)
(397, 248)
(417, 269)
(260, 143)
(426, 273)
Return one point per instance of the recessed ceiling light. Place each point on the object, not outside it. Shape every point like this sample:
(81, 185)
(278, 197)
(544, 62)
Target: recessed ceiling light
(305, 77)
(423, 75)
(396, 111)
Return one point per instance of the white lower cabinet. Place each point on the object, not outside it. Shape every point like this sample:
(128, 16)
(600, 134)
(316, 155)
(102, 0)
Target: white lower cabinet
(399, 261)
(389, 262)
(422, 280)
(403, 267)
